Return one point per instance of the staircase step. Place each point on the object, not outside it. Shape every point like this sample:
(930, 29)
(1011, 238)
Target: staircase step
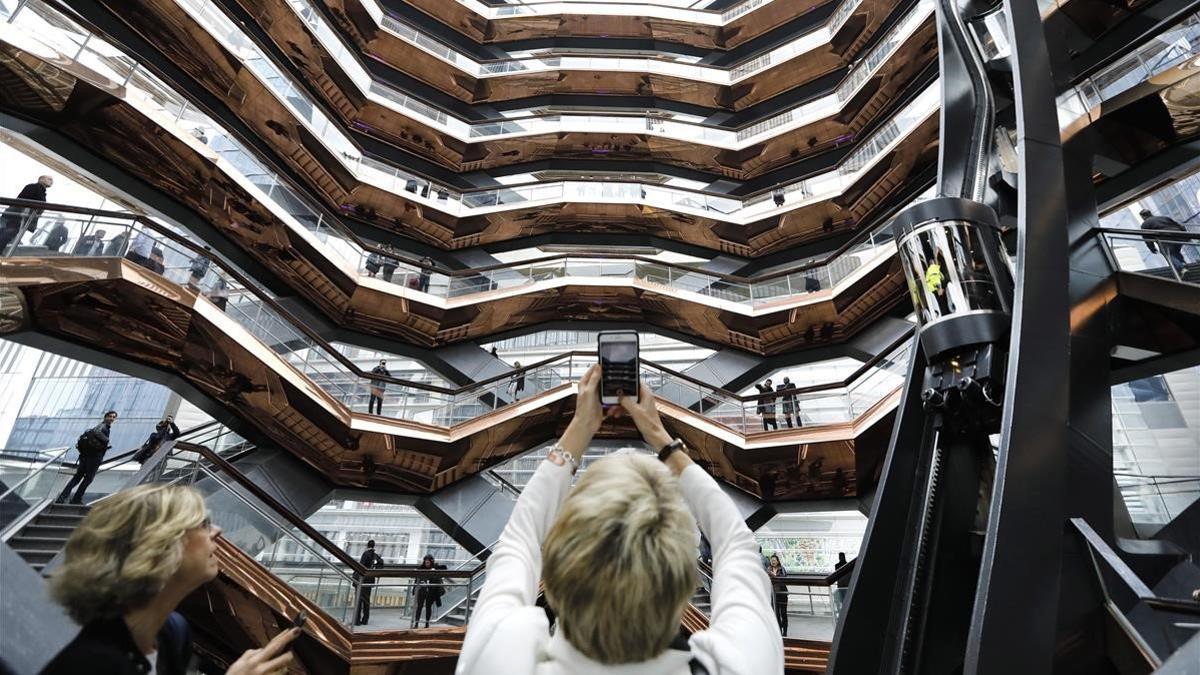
(25, 543)
(37, 559)
(45, 531)
(68, 520)
(68, 509)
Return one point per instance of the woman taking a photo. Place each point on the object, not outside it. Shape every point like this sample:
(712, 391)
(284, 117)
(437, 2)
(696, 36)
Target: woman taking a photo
(616, 555)
(131, 561)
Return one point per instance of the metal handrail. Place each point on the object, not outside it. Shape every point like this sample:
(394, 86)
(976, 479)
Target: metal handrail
(861, 236)
(503, 483)
(829, 21)
(270, 518)
(53, 459)
(1149, 234)
(1100, 553)
(308, 530)
(303, 328)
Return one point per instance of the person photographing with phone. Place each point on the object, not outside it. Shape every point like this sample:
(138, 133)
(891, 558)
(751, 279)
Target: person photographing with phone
(617, 557)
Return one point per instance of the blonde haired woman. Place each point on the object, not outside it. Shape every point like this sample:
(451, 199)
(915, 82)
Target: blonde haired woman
(131, 561)
(617, 557)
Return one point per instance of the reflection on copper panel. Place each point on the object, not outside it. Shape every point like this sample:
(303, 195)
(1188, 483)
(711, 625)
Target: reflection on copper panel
(326, 179)
(357, 112)
(733, 32)
(246, 606)
(773, 79)
(117, 308)
(174, 167)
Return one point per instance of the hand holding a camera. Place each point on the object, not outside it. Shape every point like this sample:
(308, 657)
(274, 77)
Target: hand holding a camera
(590, 415)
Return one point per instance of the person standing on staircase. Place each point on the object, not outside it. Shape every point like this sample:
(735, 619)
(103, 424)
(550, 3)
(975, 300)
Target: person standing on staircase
(778, 573)
(429, 591)
(370, 560)
(17, 220)
(92, 445)
(378, 389)
(1173, 253)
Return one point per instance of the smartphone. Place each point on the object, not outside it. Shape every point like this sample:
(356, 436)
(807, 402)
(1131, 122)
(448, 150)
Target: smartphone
(619, 365)
(301, 619)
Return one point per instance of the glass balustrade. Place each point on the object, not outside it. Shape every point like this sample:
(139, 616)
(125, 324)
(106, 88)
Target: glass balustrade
(291, 206)
(670, 65)
(1174, 47)
(1157, 500)
(653, 124)
(258, 531)
(27, 483)
(1171, 257)
(62, 234)
(689, 11)
(311, 567)
(170, 109)
(803, 596)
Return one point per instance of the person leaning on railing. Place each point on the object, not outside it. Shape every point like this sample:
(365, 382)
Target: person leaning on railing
(133, 559)
(617, 558)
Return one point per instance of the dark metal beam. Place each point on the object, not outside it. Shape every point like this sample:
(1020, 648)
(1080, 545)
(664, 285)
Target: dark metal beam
(1013, 621)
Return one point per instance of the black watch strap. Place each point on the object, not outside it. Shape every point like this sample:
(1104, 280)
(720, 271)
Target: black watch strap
(669, 449)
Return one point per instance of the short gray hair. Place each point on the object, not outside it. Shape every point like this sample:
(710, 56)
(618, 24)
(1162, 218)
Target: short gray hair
(619, 564)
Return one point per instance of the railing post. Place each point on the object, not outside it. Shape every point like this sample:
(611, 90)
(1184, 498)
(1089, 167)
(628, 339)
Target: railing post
(467, 602)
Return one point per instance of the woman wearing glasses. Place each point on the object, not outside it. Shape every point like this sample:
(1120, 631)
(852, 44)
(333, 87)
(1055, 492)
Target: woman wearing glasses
(131, 561)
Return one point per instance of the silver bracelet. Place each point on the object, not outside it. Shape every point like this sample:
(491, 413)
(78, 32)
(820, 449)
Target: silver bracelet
(557, 448)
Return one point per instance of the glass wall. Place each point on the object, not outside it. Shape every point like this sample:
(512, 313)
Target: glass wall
(1180, 201)
(809, 543)
(1156, 445)
(533, 347)
(49, 400)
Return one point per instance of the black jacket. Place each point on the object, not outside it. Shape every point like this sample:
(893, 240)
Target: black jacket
(33, 192)
(1162, 223)
(106, 647)
(765, 405)
(57, 237)
(370, 560)
(165, 431)
(786, 395)
(14, 216)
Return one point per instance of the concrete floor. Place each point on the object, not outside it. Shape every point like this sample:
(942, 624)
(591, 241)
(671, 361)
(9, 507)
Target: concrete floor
(810, 627)
(385, 618)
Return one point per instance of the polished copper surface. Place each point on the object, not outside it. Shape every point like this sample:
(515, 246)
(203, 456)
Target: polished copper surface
(99, 120)
(247, 605)
(838, 52)
(484, 30)
(799, 656)
(116, 308)
(329, 83)
(221, 74)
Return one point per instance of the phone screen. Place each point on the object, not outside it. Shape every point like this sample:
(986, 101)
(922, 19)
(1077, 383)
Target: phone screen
(618, 366)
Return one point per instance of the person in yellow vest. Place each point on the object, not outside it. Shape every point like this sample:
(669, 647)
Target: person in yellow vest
(935, 284)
